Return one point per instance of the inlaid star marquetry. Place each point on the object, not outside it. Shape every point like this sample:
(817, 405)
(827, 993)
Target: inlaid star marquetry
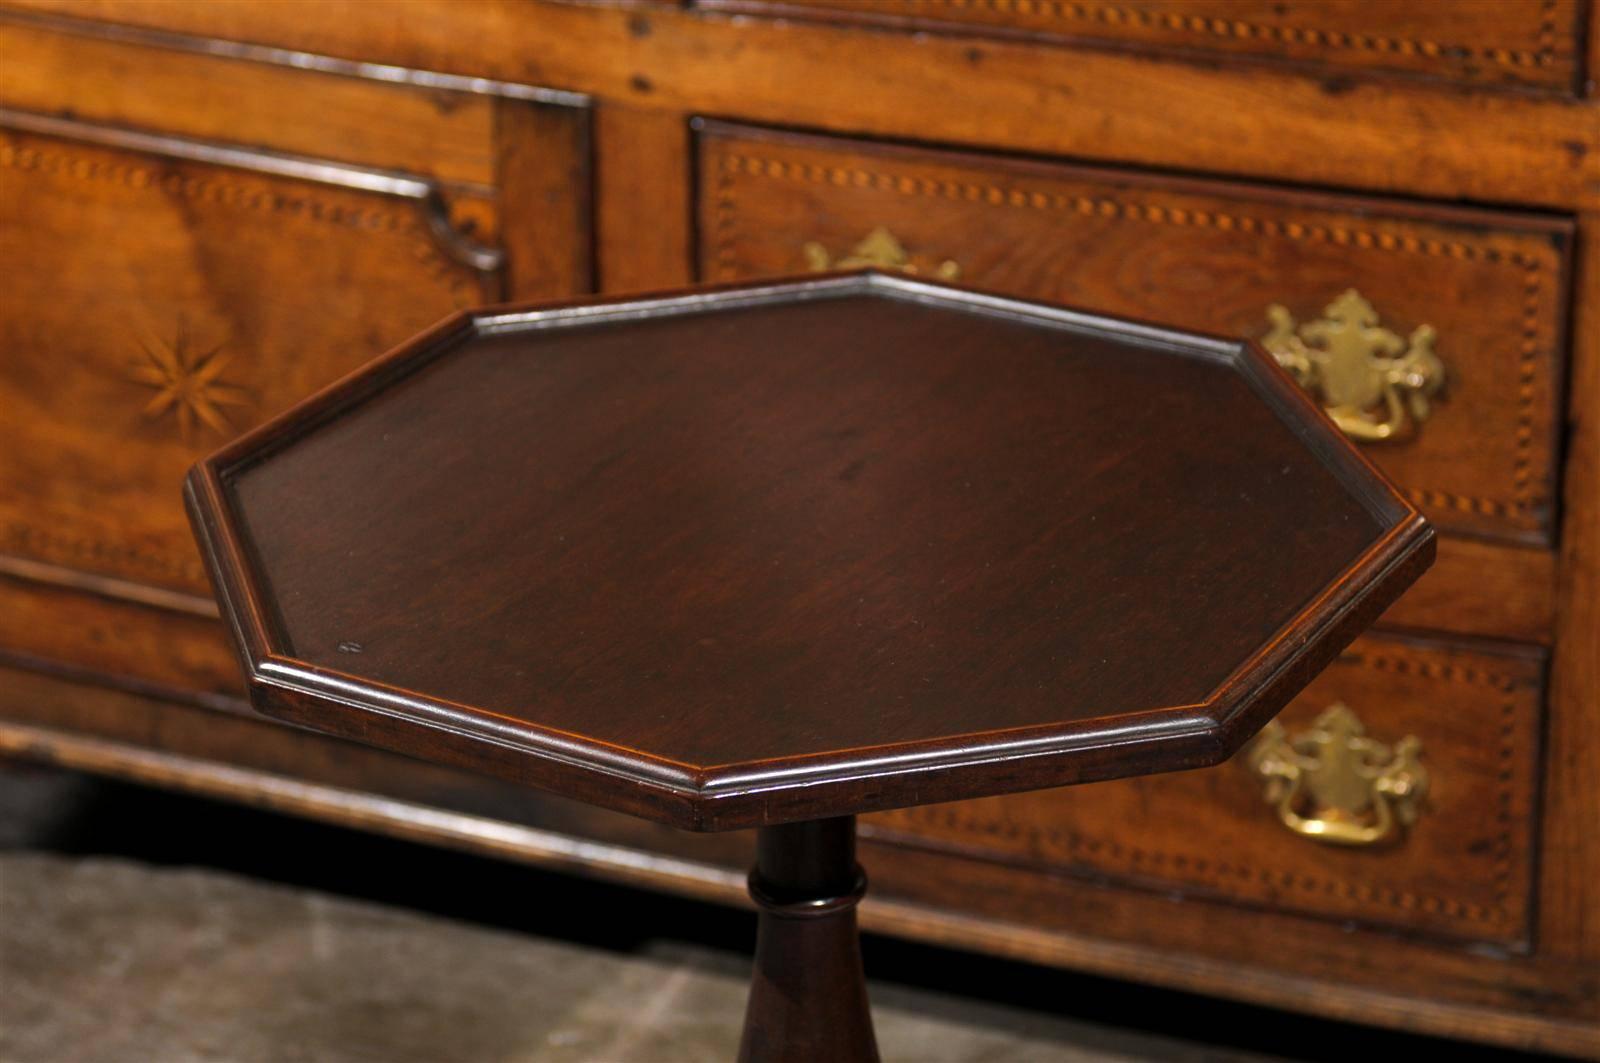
(188, 384)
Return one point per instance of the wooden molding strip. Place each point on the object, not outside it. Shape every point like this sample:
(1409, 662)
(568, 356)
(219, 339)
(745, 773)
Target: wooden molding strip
(322, 64)
(1131, 109)
(424, 192)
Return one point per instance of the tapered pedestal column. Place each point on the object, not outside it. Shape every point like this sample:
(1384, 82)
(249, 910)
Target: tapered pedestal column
(808, 998)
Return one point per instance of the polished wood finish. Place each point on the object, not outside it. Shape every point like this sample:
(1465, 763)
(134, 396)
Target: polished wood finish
(542, 181)
(441, 131)
(1571, 918)
(176, 358)
(643, 223)
(1484, 589)
(1204, 255)
(1465, 870)
(1119, 106)
(1532, 44)
(123, 673)
(806, 885)
(968, 611)
(172, 271)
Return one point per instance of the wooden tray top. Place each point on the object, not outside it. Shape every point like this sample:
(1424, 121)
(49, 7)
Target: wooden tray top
(767, 553)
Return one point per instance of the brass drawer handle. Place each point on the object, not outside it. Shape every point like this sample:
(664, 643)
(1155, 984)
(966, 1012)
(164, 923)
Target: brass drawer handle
(1334, 784)
(880, 250)
(1373, 384)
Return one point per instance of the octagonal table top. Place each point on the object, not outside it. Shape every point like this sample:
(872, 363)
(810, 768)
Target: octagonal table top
(809, 548)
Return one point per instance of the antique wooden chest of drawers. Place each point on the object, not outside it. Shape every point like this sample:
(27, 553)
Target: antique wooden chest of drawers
(1400, 201)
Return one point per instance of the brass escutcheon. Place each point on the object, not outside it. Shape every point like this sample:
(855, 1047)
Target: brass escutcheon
(1334, 784)
(880, 250)
(1375, 385)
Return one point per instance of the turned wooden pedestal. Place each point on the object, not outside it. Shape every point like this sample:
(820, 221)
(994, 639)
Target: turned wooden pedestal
(808, 997)
(774, 556)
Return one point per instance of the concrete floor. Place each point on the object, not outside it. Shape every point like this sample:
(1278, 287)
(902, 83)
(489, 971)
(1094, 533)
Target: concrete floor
(106, 959)
(301, 942)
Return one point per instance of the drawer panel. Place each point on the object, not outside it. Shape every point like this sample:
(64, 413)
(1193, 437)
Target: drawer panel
(440, 134)
(1462, 868)
(194, 236)
(165, 294)
(1522, 43)
(159, 305)
(1483, 291)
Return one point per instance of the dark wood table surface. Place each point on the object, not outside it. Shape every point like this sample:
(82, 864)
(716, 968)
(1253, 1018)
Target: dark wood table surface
(800, 550)
(773, 556)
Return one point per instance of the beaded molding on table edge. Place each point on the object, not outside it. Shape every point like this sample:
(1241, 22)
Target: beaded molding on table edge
(1111, 15)
(1525, 500)
(1217, 874)
(17, 536)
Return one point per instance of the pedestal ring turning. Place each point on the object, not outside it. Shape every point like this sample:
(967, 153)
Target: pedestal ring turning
(808, 996)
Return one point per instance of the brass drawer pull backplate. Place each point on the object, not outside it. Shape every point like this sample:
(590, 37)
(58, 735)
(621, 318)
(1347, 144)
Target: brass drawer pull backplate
(880, 250)
(1374, 384)
(1334, 784)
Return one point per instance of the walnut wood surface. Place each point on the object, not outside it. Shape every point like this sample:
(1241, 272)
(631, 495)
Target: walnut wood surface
(1474, 42)
(800, 551)
(1464, 870)
(1118, 105)
(643, 176)
(304, 112)
(157, 273)
(154, 307)
(1570, 872)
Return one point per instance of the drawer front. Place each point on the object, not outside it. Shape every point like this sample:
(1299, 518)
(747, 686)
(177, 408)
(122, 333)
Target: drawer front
(1521, 43)
(157, 306)
(1461, 867)
(49, 70)
(1480, 295)
(165, 292)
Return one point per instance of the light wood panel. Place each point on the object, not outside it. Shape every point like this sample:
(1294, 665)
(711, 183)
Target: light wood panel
(1003, 94)
(1471, 42)
(642, 227)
